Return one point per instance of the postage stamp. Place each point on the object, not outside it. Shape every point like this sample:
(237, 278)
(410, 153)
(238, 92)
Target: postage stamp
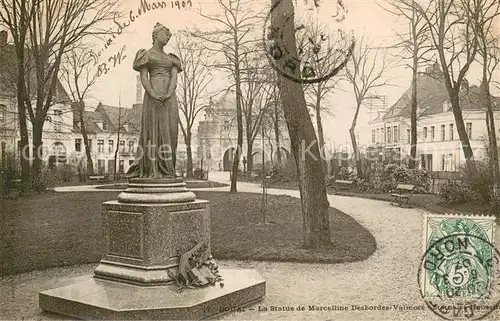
(323, 43)
(459, 271)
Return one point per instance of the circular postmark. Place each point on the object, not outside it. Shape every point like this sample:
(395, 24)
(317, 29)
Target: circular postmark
(459, 276)
(322, 43)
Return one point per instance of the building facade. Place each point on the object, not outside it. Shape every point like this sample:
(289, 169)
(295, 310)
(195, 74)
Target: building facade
(217, 136)
(112, 131)
(58, 125)
(438, 145)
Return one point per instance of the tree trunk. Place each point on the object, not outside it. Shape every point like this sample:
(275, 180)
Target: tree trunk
(453, 93)
(239, 119)
(249, 156)
(83, 128)
(189, 152)
(462, 133)
(493, 146)
(357, 155)
(117, 144)
(357, 158)
(413, 113)
(316, 223)
(37, 149)
(319, 125)
(277, 134)
(22, 98)
(489, 151)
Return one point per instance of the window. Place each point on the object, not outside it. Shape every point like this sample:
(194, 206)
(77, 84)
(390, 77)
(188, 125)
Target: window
(469, 130)
(426, 161)
(90, 145)
(111, 144)
(111, 166)
(451, 164)
(373, 136)
(446, 106)
(122, 145)
(432, 133)
(2, 113)
(378, 135)
(389, 135)
(131, 146)
(448, 162)
(382, 133)
(100, 146)
(101, 166)
(425, 133)
(396, 136)
(443, 132)
(57, 112)
(408, 135)
(451, 131)
(120, 166)
(104, 126)
(78, 144)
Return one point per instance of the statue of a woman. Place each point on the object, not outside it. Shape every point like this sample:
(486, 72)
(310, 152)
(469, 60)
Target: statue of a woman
(155, 156)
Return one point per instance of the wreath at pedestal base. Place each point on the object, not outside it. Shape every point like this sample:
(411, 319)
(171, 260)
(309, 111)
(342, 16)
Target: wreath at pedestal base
(197, 268)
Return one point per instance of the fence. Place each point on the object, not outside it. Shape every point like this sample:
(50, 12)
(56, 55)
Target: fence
(439, 178)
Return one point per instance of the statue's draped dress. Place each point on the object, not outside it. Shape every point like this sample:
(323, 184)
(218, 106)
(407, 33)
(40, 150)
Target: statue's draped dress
(159, 123)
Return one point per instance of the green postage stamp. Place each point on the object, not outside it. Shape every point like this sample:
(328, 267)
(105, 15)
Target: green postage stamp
(458, 274)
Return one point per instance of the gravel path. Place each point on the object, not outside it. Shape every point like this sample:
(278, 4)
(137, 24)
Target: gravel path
(388, 279)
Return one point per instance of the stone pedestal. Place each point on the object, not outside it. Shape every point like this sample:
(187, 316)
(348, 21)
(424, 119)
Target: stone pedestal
(153, 222)
(144, 240)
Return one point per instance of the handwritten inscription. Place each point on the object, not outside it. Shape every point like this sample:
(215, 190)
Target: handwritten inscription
(112, 62)
(145, 7)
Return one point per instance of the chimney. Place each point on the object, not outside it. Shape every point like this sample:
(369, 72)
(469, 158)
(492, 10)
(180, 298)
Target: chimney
(138, 89)
(3, 38)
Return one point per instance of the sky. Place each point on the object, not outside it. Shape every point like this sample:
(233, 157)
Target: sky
(364, 17)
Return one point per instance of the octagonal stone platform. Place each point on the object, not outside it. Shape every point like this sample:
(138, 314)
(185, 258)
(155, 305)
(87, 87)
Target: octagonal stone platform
(153, 222)
(98, 299)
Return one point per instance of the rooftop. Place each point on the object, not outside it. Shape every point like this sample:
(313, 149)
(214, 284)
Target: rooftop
(432, 94)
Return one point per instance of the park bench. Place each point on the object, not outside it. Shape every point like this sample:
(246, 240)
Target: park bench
(342, 184)
(97, 178)
(403, 194)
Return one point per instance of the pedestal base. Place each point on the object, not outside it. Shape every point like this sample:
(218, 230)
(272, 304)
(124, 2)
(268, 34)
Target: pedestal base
(102, 299)
(143, 241)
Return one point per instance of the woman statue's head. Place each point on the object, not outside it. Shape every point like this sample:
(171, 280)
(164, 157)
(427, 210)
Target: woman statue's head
(161, 34)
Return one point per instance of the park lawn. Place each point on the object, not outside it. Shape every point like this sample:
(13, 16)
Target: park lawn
(59, 229)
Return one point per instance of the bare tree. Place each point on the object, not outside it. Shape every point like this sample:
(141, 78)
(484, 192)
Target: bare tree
(316, 93)
(193, 83)
(365, 74)
(274, 112)
(414, 46)
(254, 100)
(55, 28)
(452, 25)
(79, 74)
(316, 221)
(119, 124)
(489, 58)
(17, 16)
(232, 37)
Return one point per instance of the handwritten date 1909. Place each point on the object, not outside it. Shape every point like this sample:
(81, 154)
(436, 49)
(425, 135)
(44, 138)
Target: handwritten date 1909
(112, 62)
